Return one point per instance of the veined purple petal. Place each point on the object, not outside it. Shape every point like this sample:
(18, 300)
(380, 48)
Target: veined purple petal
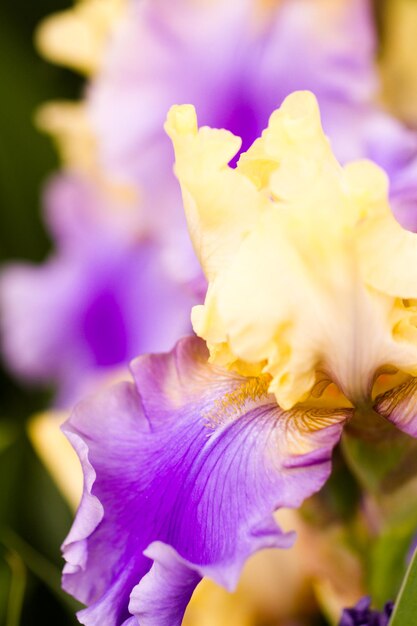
(399, 405)
(183, 471)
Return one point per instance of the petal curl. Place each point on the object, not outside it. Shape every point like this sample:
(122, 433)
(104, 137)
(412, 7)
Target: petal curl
(211, 190)
(185, 468)
(399, 405)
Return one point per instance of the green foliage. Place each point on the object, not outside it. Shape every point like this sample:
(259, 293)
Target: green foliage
(405, 611)
(389, 556)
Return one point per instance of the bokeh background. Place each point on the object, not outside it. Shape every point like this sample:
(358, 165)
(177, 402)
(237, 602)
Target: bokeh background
(34, 518)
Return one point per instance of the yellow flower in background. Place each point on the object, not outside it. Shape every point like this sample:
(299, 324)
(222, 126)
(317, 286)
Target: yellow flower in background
(87, 25)
(68, 124)
(56, 453)
(311, 279)
(398, 63)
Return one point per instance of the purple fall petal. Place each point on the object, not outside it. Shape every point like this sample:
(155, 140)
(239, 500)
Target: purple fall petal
(182, 471)
(162, 596)
(399, 406)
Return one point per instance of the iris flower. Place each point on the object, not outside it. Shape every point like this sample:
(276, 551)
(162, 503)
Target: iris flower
(106, 294)
(309, 323)
(99, 304)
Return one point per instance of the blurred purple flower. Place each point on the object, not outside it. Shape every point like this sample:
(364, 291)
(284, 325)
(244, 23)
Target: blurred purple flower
(236, 62)
(104, 296)
(110, 295)
(363, 615)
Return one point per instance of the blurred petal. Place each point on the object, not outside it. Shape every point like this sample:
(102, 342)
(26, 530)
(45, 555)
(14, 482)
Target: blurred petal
(398, 65)
(106, 295)
(57, 454)
(89, 23)
(67, 122)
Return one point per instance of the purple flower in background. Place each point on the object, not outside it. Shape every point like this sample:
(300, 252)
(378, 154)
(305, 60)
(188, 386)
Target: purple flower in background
(106, 294)
(236, 61)
(113, 294)
(363, 615)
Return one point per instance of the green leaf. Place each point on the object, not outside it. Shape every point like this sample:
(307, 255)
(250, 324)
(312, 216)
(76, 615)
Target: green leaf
(39, 565)
(17, 588)
(388, 560)
(5, 578)
(406, 605)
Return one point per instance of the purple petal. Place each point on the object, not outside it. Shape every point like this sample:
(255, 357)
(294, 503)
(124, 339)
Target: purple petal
(363, 615)
(164, 592)
(399, 405)
(183, 468)
(107, 294)
(240, 67)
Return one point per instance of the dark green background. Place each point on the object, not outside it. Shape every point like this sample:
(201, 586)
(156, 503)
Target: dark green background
(33, 517)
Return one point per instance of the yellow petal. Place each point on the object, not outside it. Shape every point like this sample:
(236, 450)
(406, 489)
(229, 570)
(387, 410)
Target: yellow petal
(389, 256)
(67, 122)
(399, 69)
(77, 37)
(306, 264)
(57, 454)
(216, 197)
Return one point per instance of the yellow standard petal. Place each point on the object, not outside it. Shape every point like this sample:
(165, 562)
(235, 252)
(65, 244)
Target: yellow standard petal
(311, 279)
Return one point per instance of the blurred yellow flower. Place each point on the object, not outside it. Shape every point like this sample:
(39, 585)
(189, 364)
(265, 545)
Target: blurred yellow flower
(398, 64)
(311, 279)
(57, 454)
(68, 124)
(77, 37)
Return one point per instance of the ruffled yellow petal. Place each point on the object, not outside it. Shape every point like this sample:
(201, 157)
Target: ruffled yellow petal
(221, 205)
(305, 262)
(77, 37)
(389, 256)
